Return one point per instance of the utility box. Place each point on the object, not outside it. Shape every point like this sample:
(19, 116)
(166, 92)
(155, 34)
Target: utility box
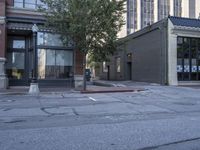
(88, 74)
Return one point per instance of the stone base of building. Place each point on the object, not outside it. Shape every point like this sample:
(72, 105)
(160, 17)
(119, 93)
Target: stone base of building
(78, 82)
(3, 82)
(34, 89)
(3, 78)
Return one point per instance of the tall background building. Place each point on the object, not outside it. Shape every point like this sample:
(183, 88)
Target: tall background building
(141, 13)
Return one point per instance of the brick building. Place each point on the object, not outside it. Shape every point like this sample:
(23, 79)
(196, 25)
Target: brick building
(56, 64)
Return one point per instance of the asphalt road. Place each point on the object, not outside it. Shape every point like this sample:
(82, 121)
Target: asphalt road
(159, 118)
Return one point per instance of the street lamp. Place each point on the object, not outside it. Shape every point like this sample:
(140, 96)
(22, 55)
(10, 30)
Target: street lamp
(34, 89)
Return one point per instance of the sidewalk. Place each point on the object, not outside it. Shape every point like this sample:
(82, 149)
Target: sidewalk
(23, 90)
(121, 83)
(99, 86)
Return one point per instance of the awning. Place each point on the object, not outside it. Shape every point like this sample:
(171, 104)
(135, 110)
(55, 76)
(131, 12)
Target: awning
(24, 27)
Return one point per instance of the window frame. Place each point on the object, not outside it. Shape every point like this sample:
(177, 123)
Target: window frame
(24, 2)
(56, 48)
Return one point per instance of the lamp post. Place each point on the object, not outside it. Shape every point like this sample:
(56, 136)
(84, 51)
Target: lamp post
(34, 89)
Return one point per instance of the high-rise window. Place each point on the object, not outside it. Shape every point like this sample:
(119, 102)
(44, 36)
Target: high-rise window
(147, 12)
(163, 9)
(177, 8)
(131, 16)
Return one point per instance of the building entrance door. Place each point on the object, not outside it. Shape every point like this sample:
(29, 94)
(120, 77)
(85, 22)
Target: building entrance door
(17, 66)
(129, 70)
(108, 72)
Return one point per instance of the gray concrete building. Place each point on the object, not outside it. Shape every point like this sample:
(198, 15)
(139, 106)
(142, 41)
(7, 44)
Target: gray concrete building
(166, 52)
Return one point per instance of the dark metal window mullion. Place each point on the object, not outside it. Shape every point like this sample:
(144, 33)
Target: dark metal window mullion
(23, 3)
(45, 63)
(55, 66)
(26, 60)
(197, 60)
(182, 53)
(190, 60)
(36, 4)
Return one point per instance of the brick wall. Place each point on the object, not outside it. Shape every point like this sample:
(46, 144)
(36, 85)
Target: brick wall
(78, 63)
(10, 2)
(2, 28)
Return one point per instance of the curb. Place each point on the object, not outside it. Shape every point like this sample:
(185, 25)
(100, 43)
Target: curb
(40, 94)
(102, 84)
(111, 91)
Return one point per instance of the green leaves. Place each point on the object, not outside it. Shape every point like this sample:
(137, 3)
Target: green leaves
(92, 24)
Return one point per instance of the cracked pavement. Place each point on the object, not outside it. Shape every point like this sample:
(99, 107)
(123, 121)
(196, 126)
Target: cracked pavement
(161, 118)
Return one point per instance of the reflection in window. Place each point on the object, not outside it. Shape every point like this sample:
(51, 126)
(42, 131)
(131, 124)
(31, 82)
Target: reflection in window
(18, 44)
(31, 4)
(118, 64)
(49, 39)
(54, 64)
(179, 40)
(15, 65)
(18, 3)
(105, 68)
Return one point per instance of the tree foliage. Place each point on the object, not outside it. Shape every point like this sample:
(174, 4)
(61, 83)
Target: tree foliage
(92, 24)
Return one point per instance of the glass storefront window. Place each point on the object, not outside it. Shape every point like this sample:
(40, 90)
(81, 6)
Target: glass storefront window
(52, 39)
(180, 40)
(16, 43)
(193, 48)
(188, 58)
(15, 65)
(198, 49)
(41, 4)
(30, 4)
(49, 39)
(54, 64)
(18, 3)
